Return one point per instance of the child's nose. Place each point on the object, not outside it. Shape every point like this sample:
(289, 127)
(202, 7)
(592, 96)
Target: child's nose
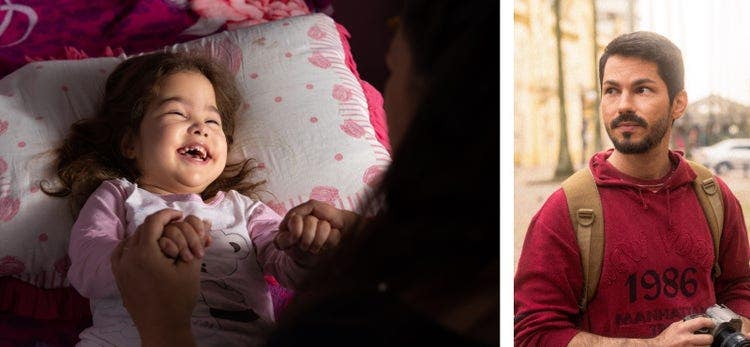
(200, 129)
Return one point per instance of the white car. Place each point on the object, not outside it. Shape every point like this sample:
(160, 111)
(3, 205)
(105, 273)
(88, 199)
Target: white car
(724, 155)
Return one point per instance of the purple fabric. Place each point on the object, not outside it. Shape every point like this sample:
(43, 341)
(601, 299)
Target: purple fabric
(43, 29)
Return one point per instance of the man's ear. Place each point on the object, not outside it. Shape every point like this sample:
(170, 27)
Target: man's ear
(679, 105)
(127, 145)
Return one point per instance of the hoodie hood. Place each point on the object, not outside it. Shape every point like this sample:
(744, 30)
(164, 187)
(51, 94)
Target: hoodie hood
(607, 175)
(645, 192)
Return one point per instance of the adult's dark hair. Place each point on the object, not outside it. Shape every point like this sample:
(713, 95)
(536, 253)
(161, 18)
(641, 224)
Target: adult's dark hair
(650, 47)
(92, 153)
(439, 225)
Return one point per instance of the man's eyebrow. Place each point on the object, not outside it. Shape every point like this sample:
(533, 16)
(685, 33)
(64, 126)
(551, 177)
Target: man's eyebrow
(643, 81)
(636, 82)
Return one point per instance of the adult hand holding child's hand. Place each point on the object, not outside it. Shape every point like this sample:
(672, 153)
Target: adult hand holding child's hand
(314, 226)
(186, 239)
(158, 292)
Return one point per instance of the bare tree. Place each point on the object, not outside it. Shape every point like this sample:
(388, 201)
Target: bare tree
(597, 121)
(564, 165)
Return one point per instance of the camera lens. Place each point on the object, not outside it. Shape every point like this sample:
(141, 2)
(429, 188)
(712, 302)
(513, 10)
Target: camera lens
(726, 336)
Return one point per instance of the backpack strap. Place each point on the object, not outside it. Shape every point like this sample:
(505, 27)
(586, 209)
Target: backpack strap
(584, 205)
(709, 196)
(585, 209)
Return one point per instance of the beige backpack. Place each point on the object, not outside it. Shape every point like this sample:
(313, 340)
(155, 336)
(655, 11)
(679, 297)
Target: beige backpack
(585, 208)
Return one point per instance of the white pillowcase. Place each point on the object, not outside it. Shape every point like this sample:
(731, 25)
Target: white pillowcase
(305, 120)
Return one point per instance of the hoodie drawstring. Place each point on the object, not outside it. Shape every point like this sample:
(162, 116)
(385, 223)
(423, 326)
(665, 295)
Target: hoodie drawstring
(643, 201)
(669, 210)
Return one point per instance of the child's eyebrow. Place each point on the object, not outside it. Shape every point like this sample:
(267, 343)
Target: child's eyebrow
(182, 100)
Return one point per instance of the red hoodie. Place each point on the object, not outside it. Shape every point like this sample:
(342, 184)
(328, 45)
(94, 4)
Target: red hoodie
(658, 255)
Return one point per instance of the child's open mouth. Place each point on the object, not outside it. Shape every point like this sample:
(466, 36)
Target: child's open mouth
(196, 152)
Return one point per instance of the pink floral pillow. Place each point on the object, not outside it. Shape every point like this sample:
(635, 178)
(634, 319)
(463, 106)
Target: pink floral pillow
(307, 120)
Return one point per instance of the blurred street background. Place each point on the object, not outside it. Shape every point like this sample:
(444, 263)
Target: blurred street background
(557, 44)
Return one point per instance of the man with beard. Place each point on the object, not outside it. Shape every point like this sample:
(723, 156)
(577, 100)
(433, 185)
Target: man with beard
(658, 250)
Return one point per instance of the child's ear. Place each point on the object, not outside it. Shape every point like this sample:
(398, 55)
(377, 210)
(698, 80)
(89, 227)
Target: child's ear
(127, 145)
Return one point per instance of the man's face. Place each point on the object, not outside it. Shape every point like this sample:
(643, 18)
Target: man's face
(635, 105)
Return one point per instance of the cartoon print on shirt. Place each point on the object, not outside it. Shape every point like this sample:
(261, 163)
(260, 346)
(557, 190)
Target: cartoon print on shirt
(217, 297)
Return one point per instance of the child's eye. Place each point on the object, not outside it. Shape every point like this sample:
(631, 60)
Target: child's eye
(213, 121)
(181, 114)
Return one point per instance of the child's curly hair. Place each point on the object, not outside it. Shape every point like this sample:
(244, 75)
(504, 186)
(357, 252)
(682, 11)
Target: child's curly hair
(92, 151)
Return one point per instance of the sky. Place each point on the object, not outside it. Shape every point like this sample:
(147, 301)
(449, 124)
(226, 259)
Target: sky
(714, 36)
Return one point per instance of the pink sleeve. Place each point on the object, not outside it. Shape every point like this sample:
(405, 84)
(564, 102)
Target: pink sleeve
(733, 286)
(97, 231)
(263, 227)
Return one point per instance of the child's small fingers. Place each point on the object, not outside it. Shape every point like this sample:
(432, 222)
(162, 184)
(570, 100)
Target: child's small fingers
(207, 235)
(333, 239)
(283, 240)
(168, 247)
(196, 225)
(173, 232)
(296, 225)
(192, 237)
(322, 233)
(308, 232)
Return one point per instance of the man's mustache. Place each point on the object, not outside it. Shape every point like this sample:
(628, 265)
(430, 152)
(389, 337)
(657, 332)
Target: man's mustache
(628, 117)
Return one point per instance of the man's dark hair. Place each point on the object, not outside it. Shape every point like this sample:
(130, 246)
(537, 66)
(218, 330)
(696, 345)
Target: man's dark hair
(651, 47)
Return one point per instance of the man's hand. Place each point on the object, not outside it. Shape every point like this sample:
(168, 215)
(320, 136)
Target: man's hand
(314, 226)
(745, 327)
(682, 333)
(158, 292)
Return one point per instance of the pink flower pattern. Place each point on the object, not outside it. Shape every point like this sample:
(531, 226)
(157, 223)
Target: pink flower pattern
(62, 265)
(341, 93)
(248, 12)
(8, 208)
(3, 126)
(353, 129)
(316, 33)
(325, 194)
(228, 53)
(319, 60)
(10, 266)
(277, 207)
(372, 175)
(3, 166)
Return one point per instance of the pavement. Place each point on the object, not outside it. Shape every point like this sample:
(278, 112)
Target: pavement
(534, 185)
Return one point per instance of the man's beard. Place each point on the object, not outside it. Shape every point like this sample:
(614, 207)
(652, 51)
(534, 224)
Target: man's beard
(654, 135)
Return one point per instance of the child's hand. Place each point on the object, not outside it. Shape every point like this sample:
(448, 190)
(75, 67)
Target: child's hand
(314, 226)
(308, 233)
(186, 239)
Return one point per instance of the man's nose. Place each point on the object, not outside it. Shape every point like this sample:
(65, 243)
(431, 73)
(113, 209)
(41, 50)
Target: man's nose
(625, 103)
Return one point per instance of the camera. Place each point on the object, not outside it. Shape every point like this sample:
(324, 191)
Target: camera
(728, 329)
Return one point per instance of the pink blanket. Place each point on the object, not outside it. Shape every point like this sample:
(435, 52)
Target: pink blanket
(42, 29)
